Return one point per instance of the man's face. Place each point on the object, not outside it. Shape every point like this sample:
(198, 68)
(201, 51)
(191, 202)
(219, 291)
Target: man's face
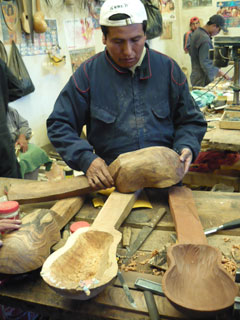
(125, 44)
(194, 25)
(214, 30)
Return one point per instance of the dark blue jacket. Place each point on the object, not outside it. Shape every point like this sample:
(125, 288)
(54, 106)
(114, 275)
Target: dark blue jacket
(203, 70)
(124, 112)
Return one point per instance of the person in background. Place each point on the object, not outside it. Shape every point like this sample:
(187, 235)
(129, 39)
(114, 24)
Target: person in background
(10, 90)
(129, 97)
(194, 24)
(203, 70)
(31, 157)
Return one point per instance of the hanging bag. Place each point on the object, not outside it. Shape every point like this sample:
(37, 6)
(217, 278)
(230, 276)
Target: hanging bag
(154, 22)
(18, 68)
(3, 53)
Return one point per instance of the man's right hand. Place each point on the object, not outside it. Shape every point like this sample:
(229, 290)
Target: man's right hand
(98, 175)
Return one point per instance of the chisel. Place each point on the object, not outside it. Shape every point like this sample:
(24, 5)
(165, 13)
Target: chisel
(228, 225)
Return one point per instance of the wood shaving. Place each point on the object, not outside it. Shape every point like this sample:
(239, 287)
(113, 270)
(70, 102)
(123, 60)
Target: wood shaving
(226, 239)
(154, 253)
(144, 261)
(229, 265)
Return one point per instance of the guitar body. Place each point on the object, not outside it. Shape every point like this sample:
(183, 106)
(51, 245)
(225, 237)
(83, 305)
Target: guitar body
(195, 279)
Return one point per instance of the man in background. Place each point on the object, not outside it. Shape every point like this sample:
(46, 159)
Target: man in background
(194, 24)
(203, 70)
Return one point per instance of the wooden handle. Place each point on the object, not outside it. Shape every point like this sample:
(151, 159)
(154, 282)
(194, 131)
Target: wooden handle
(38, 5)
(184, 212)
(115, 210)
(24, 7)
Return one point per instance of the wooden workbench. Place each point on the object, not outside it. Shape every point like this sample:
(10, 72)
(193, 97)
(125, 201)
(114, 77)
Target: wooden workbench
(30, 292)
(222, 139)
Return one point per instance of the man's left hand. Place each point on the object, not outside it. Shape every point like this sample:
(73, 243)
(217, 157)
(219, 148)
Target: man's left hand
(186, 157)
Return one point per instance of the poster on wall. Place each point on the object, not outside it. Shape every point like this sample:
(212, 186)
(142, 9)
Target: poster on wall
(79, 56)
(168, 9)
(9, 21)
(43, 42)
(79, 33)
(230, 10)
(188, 4)
(94, 11)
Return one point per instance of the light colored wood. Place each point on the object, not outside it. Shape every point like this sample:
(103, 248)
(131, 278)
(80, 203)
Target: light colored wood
(90, 254)
(155, 167)
(126, 236)
(223, 139)
(39, 24)
(227, 123)
(210, 179)
(195, 279)
(26, 249)
(25, 18)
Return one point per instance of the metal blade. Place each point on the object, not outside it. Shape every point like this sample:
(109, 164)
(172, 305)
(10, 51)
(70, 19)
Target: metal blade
(210, 230)
(143, 234)
(126, 290)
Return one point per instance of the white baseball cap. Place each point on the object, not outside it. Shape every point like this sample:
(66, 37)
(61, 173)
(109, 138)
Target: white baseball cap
(133, 8)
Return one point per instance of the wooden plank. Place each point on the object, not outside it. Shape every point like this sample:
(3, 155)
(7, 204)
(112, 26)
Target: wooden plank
(40, 191)
(210, 179)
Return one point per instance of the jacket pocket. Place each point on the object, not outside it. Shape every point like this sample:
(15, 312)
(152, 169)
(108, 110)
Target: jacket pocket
(103, 114)
(161, 111)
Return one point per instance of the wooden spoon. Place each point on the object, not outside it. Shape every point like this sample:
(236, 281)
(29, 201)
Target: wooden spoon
(26, 249)
(87, 262)
(39, 24)
(195, 279)
(24, 18)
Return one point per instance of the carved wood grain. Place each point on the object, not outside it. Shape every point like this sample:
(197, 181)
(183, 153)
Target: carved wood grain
(195, 279)
(26, 249)
(90, 254)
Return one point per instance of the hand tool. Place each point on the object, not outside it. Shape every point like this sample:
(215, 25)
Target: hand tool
(148, 288)
(228, 225)
(126, 289)
(144, 233)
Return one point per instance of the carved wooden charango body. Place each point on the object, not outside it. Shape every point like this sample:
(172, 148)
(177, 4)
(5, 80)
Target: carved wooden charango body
(27, 248)
(195, 280)
(154, 167)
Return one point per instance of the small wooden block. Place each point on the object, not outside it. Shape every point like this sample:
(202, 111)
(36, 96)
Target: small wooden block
(126, 236)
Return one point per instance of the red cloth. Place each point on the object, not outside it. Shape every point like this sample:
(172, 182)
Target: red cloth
(210, 161)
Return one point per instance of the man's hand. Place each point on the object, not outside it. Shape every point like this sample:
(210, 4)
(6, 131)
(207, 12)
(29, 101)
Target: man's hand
(22, 142)
(9, 225)
(186, 157)
(98, 175)
(222, 74)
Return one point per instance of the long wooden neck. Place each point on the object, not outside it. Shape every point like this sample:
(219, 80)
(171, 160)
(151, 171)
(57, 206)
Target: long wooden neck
(38, 6)
(115, 210)
(184, 212)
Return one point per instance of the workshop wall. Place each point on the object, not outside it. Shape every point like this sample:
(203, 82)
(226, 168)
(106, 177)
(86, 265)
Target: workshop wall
(49, 80)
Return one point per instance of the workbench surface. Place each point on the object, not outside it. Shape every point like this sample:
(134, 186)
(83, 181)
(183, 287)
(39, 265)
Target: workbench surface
(30, 292)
